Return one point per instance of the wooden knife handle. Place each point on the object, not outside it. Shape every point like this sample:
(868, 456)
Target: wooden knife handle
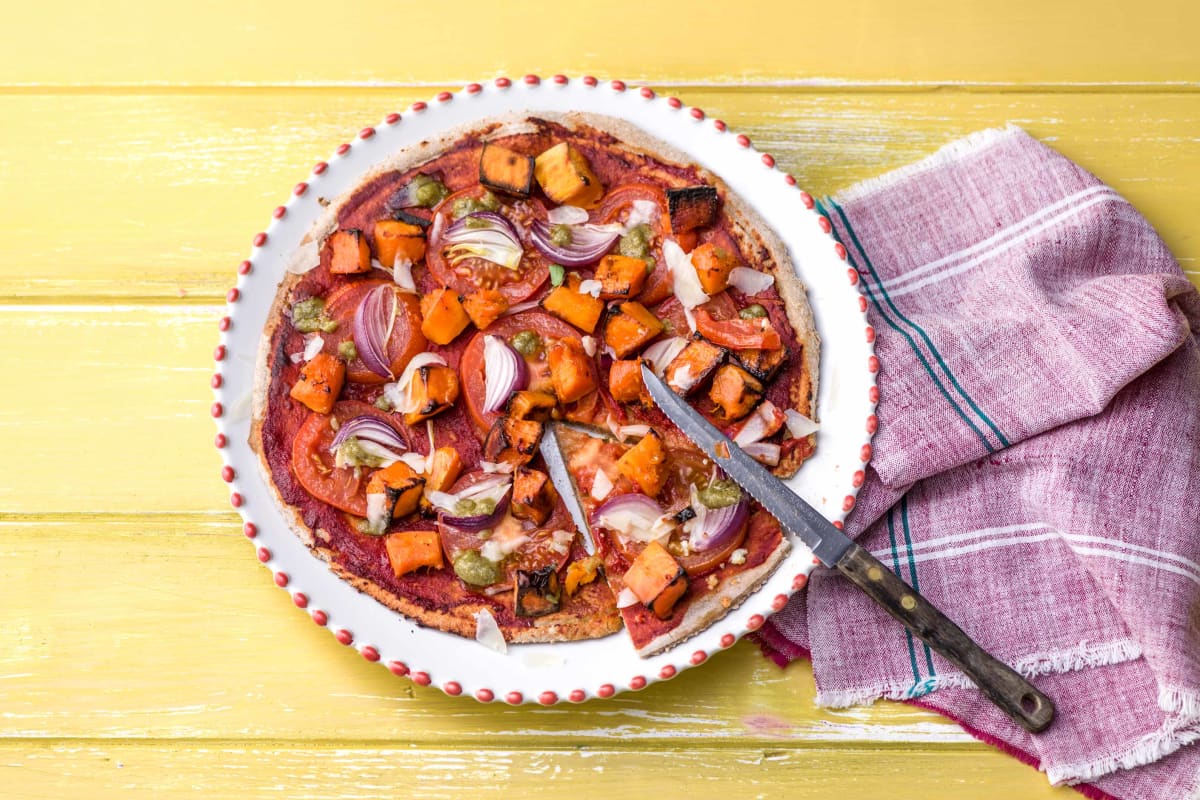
(1028, 707)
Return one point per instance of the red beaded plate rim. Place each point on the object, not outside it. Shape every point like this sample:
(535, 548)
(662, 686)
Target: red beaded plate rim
(450, 686)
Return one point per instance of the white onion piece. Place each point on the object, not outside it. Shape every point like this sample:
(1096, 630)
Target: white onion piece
(684, 280)
(799, 425)
(589, 345)
(377, 512)
(626, 598)
(386, 456)
(642, 213)
(634, 516)
(443, 500)
(567, 215)
(663, 352)
(416, 461)
(602, 485)
(398, 393)
(296, 358)
(402, 274)
(493, 468)
(306, 258)
(590, 286)
(487, 632)
(752, 430)
(763, 452)
(632, 431)
(750, 281)
(313, 343)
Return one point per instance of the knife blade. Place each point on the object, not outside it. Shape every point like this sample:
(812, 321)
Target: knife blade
(1018, 698)
(564, 484)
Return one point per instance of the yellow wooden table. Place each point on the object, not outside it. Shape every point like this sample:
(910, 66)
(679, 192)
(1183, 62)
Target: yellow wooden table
(145, 653)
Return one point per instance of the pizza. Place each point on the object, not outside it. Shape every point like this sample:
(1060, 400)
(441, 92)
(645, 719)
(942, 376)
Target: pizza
(479, 288)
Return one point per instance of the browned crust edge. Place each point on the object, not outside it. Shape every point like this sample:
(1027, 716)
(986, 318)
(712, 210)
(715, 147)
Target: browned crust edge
(707, 610)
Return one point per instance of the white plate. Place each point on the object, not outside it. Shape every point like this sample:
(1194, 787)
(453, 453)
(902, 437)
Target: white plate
(575, 671)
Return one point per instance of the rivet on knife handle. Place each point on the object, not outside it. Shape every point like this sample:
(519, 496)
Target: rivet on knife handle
(1016, 696)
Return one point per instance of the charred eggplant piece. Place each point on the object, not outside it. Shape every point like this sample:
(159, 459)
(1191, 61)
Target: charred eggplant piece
(538, 592)
(691, 207)
(505, 171)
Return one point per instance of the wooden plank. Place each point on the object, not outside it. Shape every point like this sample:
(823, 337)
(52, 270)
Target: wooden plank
(264, 770)
(291, 42)
(200, 174)
(117, 398)
(168, 627)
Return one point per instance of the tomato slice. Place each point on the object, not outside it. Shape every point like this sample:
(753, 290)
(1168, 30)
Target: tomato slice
(313, 463)
(471, 373)
(539, 551)
(477, 273)
(406, 339)
(738, 334)
(616, 208)
(720, 307)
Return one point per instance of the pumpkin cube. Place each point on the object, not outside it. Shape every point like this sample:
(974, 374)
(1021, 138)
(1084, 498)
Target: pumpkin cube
(691, 207)
(620, 277)
(444, 317)
(687, 371)
(630, 328)
(567, 178)
(571, 370)
(434, 388)
(505, 170)
(657, 579)
(512, 441)
(646, 464)
(402, 486)
(395, 238)
(571, 305)
(320, 382)
(533, 495)
(408, 551)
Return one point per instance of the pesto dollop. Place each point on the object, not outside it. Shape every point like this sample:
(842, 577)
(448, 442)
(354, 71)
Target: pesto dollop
(475, 570)
(755, 311)
(427, 191)
(527, 343)
(560, 235)
(636, 244)
(719, 494)
(347, 350)
(469, 205)
(466, 507)
(308, 316)
(351, 453)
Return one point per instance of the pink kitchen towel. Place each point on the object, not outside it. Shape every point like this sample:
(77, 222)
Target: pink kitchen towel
(1037, 464)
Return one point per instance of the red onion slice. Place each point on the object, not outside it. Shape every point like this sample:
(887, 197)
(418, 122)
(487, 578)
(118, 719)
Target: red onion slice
(495, 487)
(377, 437)
(373, 321)
(716, 526)
(588, 243)
(483, 234)
(634, 516)
(505, 372)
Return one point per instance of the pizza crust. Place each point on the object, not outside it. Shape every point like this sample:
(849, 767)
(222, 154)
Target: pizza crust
(602, 619)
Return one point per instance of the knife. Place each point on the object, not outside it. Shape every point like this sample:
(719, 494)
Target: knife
(1014, 695)
(564, 484)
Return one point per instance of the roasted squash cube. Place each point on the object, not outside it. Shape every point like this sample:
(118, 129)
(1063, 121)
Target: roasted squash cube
(408, 551)
(688, 370)
(512, 441)
(630, 328)
(567, 178)
(444, 317)
(691, 207)
(402, 486)
(444, 467)
(570, 305)
(735, 392)
(485, 306)
(533, 495)
(580, 573)
(505, 170)
(530, 404)
(538, 592)
(625, 382)
(657, 579)
(572, 371)
(434, 388)
(762, 364)
(394, 238)
(349, 252)
(620, 277)
(320, 382)
(646, 464)
(713, 265)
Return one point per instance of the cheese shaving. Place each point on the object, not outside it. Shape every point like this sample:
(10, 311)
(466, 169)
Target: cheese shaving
(402, 274)
(589, 345)
(602, 485)
(313, 344)
(590, 286)
(799, 425)
(750, 281)
(643, 212)
(493, 467)
(685, 281)
(487, 632)
(567, 215)
(626, 598)
(418, 462)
